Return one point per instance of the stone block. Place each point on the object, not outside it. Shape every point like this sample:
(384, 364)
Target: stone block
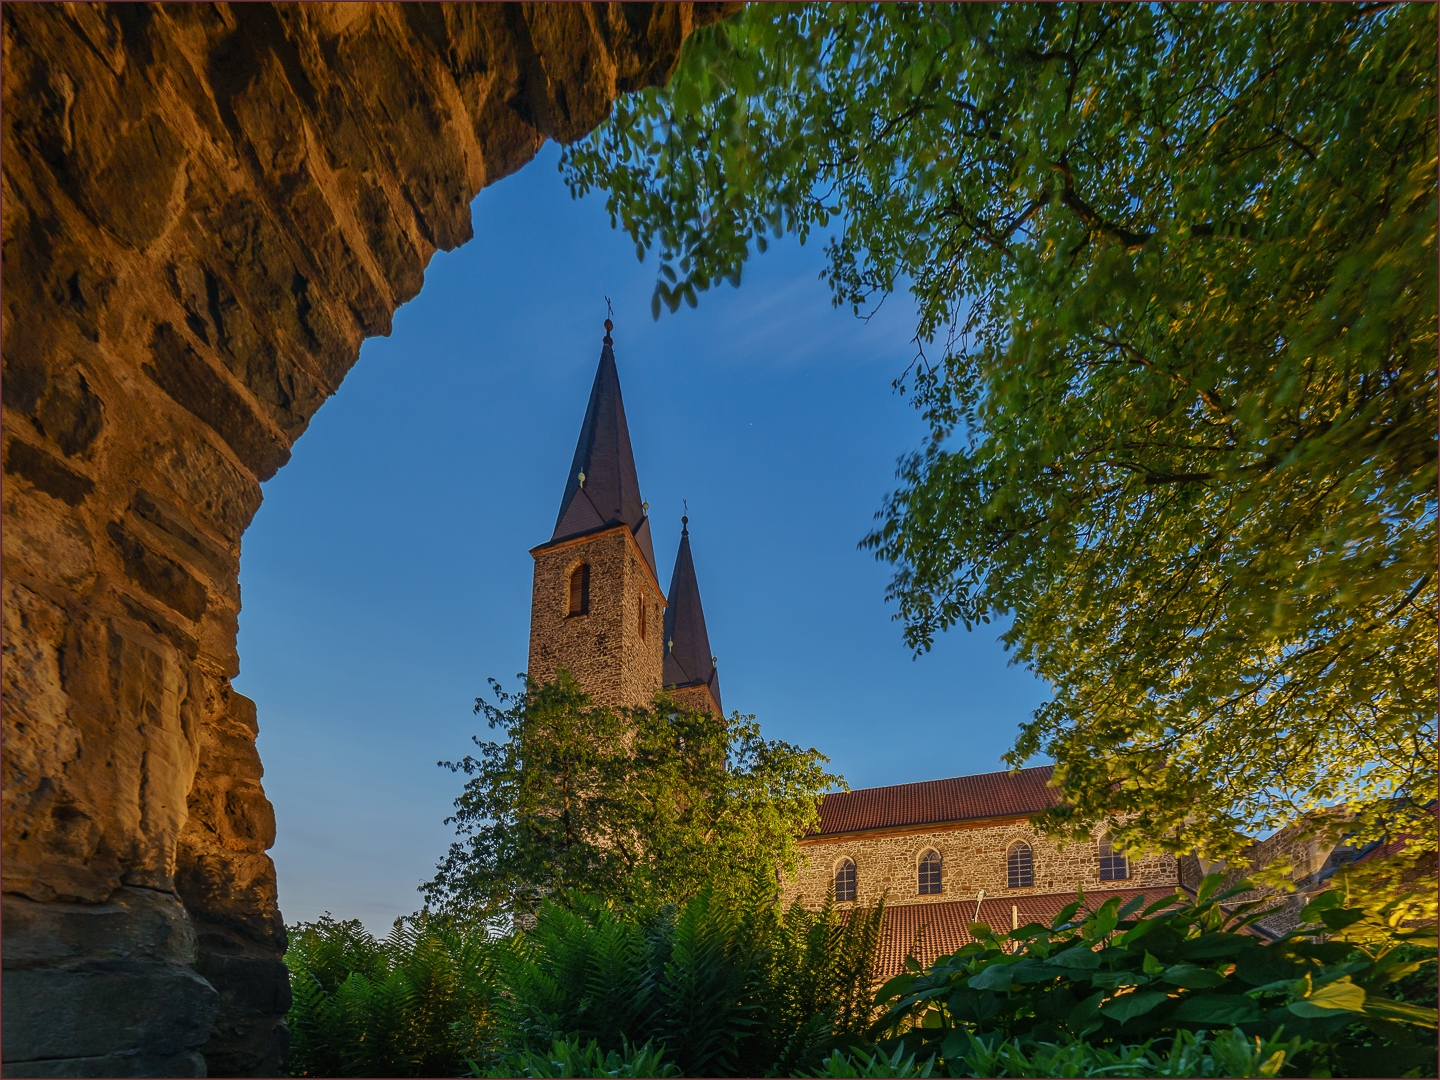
(156, 1008)
(185, 1063)
(136, 924)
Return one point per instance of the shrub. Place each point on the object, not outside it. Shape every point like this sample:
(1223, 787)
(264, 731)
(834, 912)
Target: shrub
(1115, 979)
(569, 1058)
(1230, 1053)
(416, 1004)
(724, 986)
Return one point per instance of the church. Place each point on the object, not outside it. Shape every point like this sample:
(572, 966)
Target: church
(943, 853)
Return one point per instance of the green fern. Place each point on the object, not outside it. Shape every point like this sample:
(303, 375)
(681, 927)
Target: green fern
(416, 1004)
(727, 986)
(569, 1058)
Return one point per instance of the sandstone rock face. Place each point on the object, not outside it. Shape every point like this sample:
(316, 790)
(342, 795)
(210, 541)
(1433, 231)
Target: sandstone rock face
(206, 210)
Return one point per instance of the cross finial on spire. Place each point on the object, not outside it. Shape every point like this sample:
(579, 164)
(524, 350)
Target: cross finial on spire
(609, 324)
(685, 519)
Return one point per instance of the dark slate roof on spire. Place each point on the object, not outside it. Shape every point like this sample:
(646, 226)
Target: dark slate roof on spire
(688, 660)
(611, 493)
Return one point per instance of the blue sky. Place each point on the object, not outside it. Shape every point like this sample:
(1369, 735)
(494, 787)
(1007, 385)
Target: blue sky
(386, 576)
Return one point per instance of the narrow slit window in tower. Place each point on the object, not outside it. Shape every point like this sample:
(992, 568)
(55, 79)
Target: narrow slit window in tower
(642, 616)
(580, 590)
(845, 881)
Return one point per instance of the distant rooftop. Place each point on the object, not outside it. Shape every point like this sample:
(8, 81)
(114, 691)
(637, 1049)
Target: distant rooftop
(932, 930)
(933, 802)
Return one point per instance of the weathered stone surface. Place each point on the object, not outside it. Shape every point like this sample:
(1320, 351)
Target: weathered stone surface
(185, 1063)
(206, 209)
(123, 1006)
(134, 924)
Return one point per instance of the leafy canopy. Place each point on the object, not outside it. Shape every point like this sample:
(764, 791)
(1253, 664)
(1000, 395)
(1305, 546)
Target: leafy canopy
(1175, 274)
(640, 806)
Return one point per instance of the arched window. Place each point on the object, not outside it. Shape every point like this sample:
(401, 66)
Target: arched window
(929, 873)
(642, 616)
(845, 880)
(1020, 864)
(580, 590)
(1114, 866)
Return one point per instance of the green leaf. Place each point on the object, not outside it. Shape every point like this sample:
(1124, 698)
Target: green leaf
(1192, 977)
(1128, 1006)
(1087, 1010)
(1208, 887)
(1342, 995)
(1326, 901)
(955, 1044)
(994, 977)
(898, 986)
(1219, 1010)
(1132, 905)
(1216, 945)
(1066, 913)
(1077, 957)
(1339, 919)
(1390, 1009)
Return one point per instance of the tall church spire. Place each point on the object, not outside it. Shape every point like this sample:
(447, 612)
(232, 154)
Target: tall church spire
(602, 490)
(688, 662)
(596, 609)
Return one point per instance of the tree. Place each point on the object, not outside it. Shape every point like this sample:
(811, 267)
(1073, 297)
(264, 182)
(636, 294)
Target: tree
(639, 806)
(1175, 273)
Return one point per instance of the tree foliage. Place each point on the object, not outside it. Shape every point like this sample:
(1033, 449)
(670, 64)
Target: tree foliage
(633, 805)
(1175, 274)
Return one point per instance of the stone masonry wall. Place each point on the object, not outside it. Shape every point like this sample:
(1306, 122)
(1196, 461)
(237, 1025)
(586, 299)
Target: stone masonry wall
(973, 858)
(206, 210)
(604, 649)
(696, 697)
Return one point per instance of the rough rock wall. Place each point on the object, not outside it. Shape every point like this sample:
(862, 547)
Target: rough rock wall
(206, 210)
(973, 857)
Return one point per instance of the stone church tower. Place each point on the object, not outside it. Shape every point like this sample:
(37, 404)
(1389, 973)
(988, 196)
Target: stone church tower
(597, 609)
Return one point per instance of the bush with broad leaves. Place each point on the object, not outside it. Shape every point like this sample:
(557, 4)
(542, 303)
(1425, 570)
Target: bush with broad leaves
(1118, 976)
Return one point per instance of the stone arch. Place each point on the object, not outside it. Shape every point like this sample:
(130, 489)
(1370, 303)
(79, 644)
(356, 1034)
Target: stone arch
(206, 211)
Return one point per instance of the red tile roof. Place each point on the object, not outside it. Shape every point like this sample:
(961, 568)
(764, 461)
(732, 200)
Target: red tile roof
(932, 802)
(933, 930)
